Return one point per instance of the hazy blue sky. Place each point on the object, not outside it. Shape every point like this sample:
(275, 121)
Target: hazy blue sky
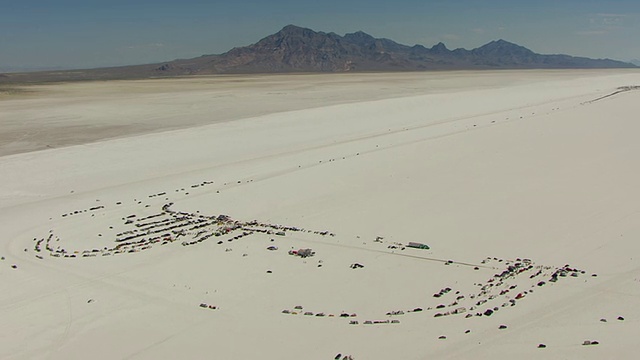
(86, 33)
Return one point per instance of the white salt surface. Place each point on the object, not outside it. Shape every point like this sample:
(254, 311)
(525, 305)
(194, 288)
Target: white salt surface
(485, 168)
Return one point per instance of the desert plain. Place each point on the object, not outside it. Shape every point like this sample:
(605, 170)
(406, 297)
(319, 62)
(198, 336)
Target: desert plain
(170, 218)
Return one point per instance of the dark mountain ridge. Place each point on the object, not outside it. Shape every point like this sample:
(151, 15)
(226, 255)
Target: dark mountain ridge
(297, 49)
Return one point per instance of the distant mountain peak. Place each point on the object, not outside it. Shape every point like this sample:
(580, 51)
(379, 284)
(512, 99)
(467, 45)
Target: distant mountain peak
(293, 28)
(501, 42)
(439, 48)
(358, 34)
(502, 48)
(360, 37)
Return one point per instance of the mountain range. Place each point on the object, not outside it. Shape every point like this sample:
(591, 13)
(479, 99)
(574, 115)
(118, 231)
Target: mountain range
(298, 49)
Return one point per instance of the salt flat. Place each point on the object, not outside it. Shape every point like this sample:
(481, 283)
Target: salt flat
(524, 188)
(41, 117)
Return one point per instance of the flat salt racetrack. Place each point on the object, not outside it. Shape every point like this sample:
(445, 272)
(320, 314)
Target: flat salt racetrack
(528, 174)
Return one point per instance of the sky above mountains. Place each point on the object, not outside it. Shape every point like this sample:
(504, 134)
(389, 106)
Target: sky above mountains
(42, 34)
